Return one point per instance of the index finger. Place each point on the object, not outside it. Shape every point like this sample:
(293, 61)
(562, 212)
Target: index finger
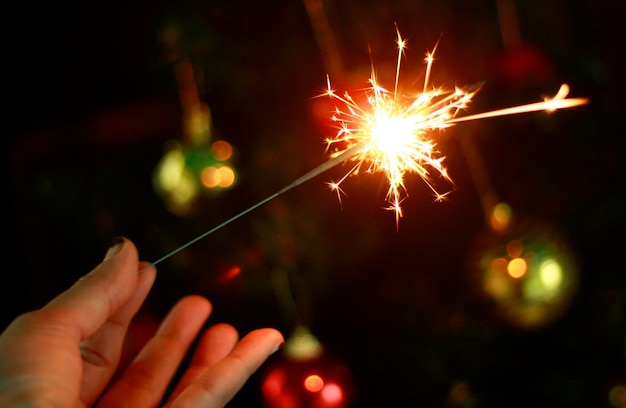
(221, 382)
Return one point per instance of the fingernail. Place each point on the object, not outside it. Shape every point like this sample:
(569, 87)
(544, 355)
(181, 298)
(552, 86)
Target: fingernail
(277, 347)
(115, 248)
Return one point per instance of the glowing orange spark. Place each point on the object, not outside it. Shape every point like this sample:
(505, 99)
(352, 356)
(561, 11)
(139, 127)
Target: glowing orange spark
(392, 132)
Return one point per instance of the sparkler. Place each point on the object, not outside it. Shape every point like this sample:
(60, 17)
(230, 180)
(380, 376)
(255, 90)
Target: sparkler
(392, 133)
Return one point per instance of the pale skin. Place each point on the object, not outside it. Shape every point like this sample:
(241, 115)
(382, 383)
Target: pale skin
(66, 353)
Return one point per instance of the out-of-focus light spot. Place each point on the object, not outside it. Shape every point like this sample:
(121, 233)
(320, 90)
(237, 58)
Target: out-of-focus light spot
(517, 267)
(210, 177)
(230, 274)
(273, 384)
(313, 383)
(515, 248)
(551, 274)
(499, 265)
(222, 150)
(174, 182)
(302, 345)
(213, 177)
(546, 281)
(184, 172)
(497, 283)
(185, 189)
(500, 217)
(528, 271)
(460, 395)
(227, 176)
(170, 170)
(332, 394)
(197, 122)
(617, 396)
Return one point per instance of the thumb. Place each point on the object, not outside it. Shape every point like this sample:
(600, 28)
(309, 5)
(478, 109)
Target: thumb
(97, 295)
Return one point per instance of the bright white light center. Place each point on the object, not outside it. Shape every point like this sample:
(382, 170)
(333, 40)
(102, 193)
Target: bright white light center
(392, 134)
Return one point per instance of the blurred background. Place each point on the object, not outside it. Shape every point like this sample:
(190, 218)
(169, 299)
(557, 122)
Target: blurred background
(159, 120)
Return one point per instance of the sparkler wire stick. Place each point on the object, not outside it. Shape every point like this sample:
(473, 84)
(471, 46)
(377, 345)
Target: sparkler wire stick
(389, 134)
(327, 165)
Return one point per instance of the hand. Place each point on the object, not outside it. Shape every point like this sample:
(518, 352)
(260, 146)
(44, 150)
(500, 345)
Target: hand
(67, 353)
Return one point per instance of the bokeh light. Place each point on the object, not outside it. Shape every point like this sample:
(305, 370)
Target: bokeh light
(174, 182)
(516, 267)
(185, 172)
(305, 377)
(528, 272)
(302, 345)
(313, 383)
(195, 164)
(222, 150)
(500, 216)
(332, 394)
(217, 176)
(617, 396)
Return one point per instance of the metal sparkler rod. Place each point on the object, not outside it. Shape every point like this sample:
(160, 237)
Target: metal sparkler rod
(327, 165)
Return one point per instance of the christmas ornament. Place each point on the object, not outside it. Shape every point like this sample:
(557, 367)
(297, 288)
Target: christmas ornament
(196, 164)
(305, 377)
(527, 273)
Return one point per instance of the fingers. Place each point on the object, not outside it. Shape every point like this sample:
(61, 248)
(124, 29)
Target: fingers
(96, 296)
(44, 345)
(101, 352)
(219, 384)
(215, 344)
(147, 377)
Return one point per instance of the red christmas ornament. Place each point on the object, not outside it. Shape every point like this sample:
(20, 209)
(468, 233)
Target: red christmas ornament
(305, 377)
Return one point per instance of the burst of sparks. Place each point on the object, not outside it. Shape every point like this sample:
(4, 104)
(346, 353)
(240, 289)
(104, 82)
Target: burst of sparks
(393, 132)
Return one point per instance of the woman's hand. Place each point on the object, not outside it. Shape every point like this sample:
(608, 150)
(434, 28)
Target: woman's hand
(67, 353)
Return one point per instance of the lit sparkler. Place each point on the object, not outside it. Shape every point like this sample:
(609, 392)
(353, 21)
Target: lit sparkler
(392, 133)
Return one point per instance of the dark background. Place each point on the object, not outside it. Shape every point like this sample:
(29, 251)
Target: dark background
(90, 100)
